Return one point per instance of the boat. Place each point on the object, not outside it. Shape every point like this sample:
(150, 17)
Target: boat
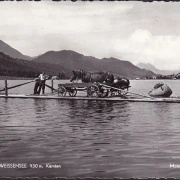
(160, 90)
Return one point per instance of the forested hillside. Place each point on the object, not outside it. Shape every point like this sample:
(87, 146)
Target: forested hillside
(22, 68)
(73, 60)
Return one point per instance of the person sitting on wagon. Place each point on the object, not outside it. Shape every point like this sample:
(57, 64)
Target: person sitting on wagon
(43, 77)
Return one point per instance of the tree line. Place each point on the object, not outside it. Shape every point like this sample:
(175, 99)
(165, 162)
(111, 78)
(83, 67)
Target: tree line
(21, 68)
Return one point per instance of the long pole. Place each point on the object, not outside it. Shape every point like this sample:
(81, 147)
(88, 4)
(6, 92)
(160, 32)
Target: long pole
(127, 92)
(140, 95)
(15, 85)
(52, 84)
(6, 88)
(51, 88)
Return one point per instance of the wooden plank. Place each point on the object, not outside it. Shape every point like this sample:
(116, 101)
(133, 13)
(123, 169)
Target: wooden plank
(167, 100)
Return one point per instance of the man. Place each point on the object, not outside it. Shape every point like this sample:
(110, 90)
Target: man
(37, 84)
(43, 77)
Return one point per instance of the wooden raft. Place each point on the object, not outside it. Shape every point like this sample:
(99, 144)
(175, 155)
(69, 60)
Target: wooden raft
(81, 85)
(22, 96)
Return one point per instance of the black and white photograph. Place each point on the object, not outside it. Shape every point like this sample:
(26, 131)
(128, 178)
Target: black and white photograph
(89, 89)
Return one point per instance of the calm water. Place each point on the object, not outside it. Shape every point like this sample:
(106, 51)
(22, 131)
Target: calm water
(90, 138)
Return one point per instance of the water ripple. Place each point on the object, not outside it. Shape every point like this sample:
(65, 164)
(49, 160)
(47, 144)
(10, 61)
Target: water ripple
(91, 138)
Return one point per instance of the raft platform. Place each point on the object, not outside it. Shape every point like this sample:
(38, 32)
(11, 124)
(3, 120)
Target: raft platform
(54, 95)
(23, 96)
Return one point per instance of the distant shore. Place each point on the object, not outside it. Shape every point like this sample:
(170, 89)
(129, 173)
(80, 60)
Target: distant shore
(26, 78)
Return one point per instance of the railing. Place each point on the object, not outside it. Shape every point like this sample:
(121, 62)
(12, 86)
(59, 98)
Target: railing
(6, 88)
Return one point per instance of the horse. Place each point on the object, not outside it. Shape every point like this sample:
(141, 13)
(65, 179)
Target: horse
(87, 77)
(121, 82)
(77, 75)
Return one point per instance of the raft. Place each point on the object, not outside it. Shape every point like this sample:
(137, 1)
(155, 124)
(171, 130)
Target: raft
(115, 99)
(130, 96)
(160, 90)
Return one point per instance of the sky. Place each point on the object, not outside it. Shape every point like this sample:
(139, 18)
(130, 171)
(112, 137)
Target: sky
(139, 32)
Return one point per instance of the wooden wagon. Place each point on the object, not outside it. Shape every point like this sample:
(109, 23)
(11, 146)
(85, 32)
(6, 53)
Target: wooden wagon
(92, 89)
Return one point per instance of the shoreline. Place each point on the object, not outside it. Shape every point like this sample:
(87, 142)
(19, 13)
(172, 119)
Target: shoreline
(26, 78)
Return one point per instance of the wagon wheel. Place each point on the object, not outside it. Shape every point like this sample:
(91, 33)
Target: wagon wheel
(62, 91)
(112, 92)
(104, 92)
(72, 92)
(93, 91)
(123, 92)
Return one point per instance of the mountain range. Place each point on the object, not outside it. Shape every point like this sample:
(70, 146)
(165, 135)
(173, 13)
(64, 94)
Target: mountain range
(64, 61)
(6, 49)
(22, 68)
(75, 61)
(152, 68)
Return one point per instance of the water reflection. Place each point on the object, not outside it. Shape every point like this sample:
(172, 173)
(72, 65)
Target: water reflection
(4, 108)
(97, 109)
(163, 115)
(90, 138)
(40, 106)
(96, 116)
(167, 109)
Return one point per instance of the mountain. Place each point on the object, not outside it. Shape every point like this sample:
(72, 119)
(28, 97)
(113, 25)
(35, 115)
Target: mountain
(148, 66)
(74, 61)
(6, 49)
(152, 68)
(22, 68)
(125, 68)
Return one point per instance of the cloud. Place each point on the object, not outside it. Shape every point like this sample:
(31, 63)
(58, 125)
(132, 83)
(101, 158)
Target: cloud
(132, 31)
(26, 25)
(142, 46)
(141, 36)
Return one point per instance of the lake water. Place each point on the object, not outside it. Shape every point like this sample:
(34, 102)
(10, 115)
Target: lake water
(90, 138)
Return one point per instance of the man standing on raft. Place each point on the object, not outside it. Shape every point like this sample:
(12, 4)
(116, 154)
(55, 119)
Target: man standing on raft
(43, 77)
(37, 84)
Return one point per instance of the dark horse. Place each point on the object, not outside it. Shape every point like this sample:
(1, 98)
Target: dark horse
(121, 83)
(87, 77)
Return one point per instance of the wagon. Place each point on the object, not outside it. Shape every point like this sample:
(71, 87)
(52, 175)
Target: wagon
(92, 89)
